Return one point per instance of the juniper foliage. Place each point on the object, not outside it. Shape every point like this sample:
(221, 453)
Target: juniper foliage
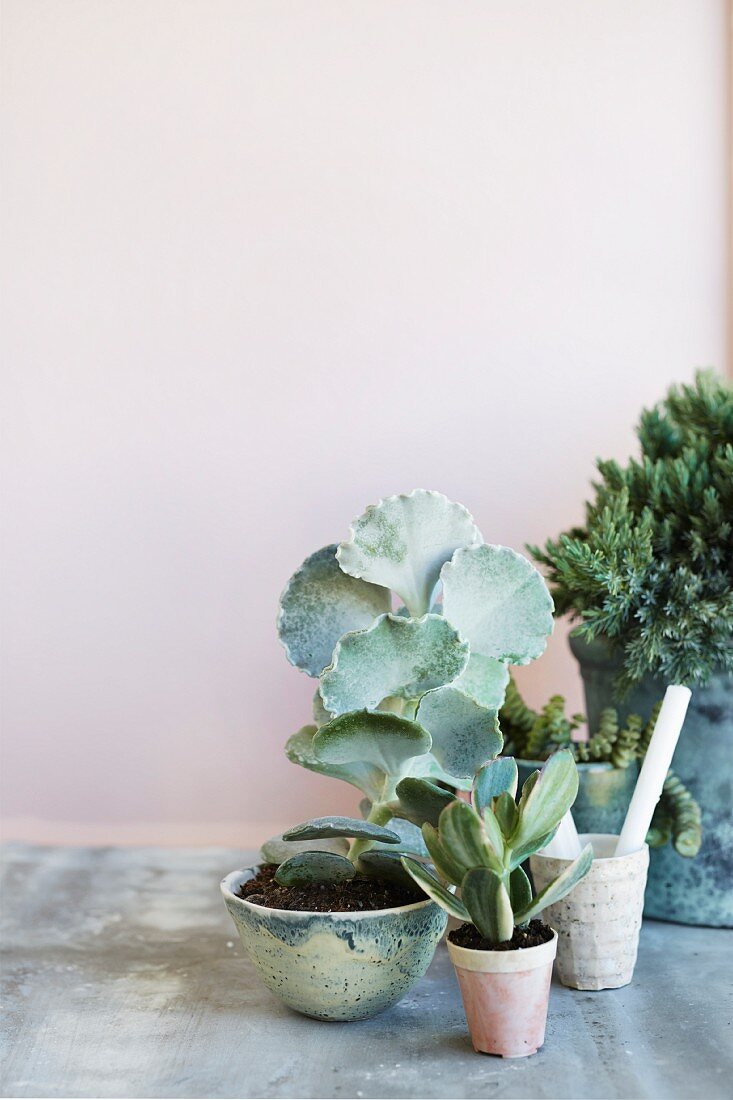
(652, 568)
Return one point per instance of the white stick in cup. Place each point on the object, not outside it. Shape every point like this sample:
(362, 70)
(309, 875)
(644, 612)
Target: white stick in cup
(565, 844)
(654, 769)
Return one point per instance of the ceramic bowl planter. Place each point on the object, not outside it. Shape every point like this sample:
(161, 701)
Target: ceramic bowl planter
(336, 966)
(691, 891)
(505, 995)
(598, 923)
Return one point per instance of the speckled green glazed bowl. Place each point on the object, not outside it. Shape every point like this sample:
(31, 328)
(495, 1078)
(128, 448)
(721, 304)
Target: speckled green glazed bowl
(336, 966)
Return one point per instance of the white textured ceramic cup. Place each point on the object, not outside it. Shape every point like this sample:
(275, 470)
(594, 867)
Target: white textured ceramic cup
(598, 922)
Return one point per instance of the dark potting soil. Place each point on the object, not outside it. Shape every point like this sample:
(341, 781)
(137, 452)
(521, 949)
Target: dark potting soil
(358, 895)
(532, 936)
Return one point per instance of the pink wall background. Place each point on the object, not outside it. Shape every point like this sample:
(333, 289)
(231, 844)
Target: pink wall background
(266, 262)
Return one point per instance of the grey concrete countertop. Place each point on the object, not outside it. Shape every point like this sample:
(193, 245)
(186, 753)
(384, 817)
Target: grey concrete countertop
(123, 977)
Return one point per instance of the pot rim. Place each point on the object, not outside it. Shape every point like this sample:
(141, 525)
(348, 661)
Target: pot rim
(585, 765)
(293, 914)
(590, 838)
(503, 962)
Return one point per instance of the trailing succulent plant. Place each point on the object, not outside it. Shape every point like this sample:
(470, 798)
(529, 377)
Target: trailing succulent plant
(480, 848)
(532, 735)
(651, 569)
(407, 698)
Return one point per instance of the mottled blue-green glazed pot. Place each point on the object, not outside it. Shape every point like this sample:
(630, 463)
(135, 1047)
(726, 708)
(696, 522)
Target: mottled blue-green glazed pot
(336, 966)
(690, 891)
(604, 793)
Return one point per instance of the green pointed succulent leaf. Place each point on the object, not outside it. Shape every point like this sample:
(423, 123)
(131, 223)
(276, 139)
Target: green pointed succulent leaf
(341, 826)
(395, 656)
(520, 890)
(493, 779)
(308, 867)
(366, 777)
(485, 680)
(464, 734)
(319, 605)
(462, 834)
(494, 836)
(446, 864)
(276, 850)
(383, 742)
(505, 812)
(486, 898)
(551, 796)
(555, 891)
(524, 851)
(421, 801)
(429, 885)
(386, 867)
(499, 602)
(403, 541)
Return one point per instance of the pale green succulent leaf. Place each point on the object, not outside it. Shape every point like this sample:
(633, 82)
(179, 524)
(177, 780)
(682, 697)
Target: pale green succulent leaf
(309, 867)
(505, 812)
(403, 541)
(394, 656)
(341, 826)
(493, 779)
(451, 869)
(464, 734)
(499, 602)
(520, 890)
(320, 714)
(557, 889)
(494, 836)
(462, 834)
(550, 797)
(364, 776)
(523, 852)
(421, 801)
(319, 605)
(276, 850)
(486, 898)
(429, 884)
(485, 680)
(384, 742)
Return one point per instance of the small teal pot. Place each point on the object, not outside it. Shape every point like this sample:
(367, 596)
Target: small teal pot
(689, 891)
(336, 966)
(604, 793)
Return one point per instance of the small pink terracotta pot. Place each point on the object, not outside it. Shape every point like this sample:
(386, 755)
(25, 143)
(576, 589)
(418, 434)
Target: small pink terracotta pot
(505, 995)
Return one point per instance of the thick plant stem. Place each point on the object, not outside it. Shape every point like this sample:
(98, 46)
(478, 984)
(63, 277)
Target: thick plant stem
(380, 814)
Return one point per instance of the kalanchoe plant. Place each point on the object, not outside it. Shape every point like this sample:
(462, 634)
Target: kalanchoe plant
(410, 693)
(480, 848)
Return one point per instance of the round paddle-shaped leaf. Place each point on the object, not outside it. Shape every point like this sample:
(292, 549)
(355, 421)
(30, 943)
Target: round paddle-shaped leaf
(319, 605)
(421, 801)
(464, 734)
(395, 656)
(364, 776)
(429, 884)
(485, 680)
(499, 602)
(382, 742)
(276, 850)
(385, 866)
(309, 867)
(403, 541)
(341, 826)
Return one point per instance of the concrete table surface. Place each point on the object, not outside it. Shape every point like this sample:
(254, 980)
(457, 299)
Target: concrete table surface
(124, 978)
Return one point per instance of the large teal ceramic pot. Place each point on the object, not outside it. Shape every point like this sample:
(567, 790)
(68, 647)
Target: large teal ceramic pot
(690, 891)
(336, 966)
(604, 793)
